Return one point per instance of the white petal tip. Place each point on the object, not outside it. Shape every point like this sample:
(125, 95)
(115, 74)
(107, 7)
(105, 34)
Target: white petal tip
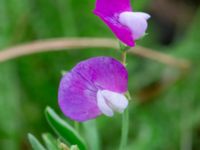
(143, 15)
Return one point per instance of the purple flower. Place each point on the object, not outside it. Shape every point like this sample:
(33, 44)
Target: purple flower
(93, 87)
(128, 26)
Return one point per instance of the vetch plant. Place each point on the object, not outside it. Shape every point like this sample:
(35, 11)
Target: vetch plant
(98, 85)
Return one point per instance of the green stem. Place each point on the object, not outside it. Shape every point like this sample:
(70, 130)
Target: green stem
(125, 115)
(125, 128)
(124, 58)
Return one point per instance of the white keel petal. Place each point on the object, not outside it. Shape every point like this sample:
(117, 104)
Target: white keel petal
(116, 101)
(136, 22)
(109, 101)
(103, 106)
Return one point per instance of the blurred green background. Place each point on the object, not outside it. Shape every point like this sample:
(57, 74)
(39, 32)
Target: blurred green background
(165, 113)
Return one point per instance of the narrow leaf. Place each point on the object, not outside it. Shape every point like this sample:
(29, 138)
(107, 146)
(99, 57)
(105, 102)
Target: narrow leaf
(50, 142)
(64, 130)
(35, 143)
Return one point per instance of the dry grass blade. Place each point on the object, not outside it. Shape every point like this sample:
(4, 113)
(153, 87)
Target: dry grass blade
(79, 43)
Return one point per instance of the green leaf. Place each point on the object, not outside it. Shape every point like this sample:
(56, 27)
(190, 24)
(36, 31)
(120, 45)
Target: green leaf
(64, 130)
(35, 143)
(50, 141)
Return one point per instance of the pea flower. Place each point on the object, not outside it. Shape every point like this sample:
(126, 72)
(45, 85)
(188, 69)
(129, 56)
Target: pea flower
(128, 26)
(93, 87)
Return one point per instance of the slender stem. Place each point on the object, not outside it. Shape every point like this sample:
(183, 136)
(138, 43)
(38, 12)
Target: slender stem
(125, 115)
(125, 129)
(124, 58)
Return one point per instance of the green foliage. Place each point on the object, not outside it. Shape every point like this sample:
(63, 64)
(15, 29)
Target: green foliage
(11, 119)
(64, 130)
(50, 142)
(35, 143)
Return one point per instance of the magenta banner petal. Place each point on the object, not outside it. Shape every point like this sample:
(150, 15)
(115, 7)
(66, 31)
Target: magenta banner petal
(122, 32)
(104, 73)
(78, 88)
(77, 98)
(111, 7)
